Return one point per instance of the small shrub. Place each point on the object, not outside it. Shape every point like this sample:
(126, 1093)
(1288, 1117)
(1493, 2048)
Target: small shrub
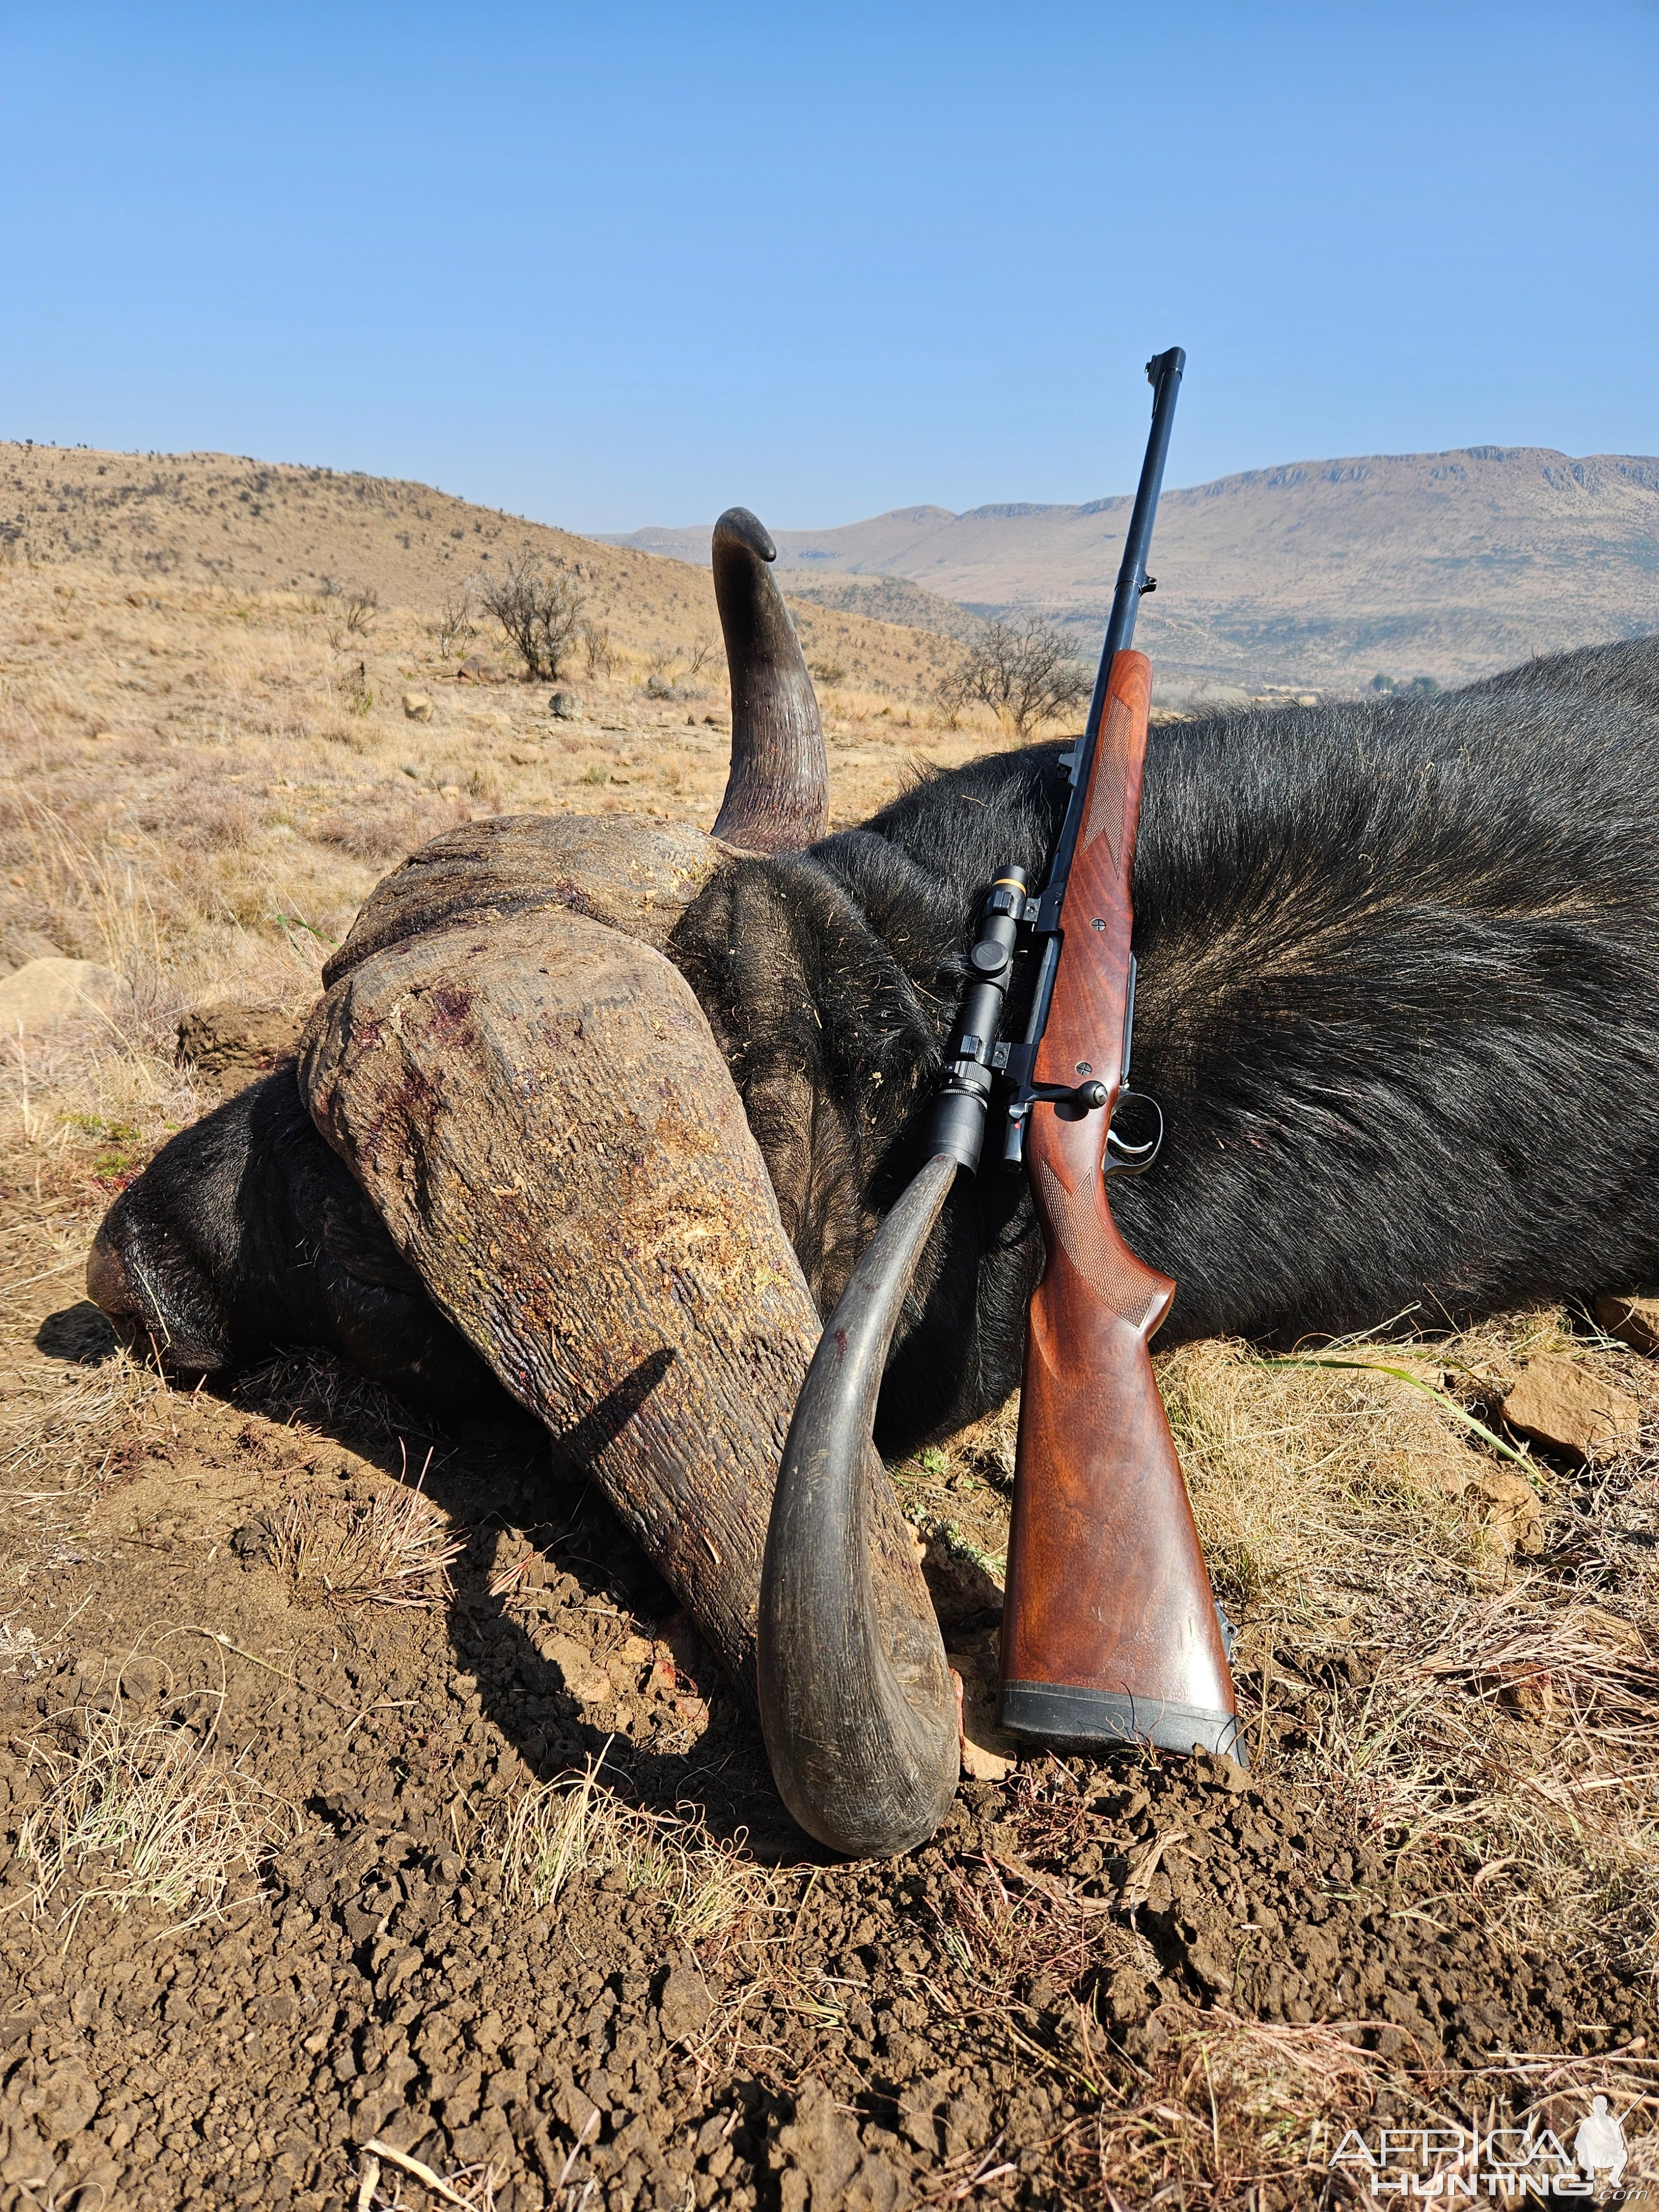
(354, 687)
(1023, 671)
(454, 625)
(540, 611)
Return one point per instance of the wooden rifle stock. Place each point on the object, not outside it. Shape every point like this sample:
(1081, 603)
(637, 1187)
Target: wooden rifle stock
(1109, 1628)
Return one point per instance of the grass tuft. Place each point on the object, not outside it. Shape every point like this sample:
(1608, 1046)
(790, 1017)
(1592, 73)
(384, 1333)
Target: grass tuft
(394, 1548)
(576, 1828)
(139, 1812)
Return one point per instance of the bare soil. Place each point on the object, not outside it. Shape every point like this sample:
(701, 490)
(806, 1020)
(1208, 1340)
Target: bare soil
(705, 2009)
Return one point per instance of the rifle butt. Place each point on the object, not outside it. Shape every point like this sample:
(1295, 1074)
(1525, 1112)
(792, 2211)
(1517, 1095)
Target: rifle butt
(1111, 1631)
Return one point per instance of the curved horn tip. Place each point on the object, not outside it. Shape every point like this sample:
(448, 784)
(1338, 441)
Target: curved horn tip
(855, 1828)
(859, 1708)
(738, 526)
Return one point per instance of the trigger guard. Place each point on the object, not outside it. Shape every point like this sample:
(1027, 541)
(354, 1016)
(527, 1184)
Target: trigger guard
(1123, 1159)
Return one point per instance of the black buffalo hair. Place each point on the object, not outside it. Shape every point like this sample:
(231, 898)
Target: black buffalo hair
(245, 1232)
(1398, 1001)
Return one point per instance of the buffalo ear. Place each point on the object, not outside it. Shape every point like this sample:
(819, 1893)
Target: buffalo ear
(777, 794)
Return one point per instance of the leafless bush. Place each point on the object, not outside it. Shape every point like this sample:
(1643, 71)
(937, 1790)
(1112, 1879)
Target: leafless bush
(352, 608)
(1023, 671)
(539, 610)
(602, 657)
(454, 625)
(360, 605)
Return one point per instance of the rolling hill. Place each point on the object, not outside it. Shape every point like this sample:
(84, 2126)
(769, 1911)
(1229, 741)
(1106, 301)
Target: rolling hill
(248, 526)
(1320, 571)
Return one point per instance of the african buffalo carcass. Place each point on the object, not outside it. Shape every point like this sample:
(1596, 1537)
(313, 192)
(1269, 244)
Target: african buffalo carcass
(610, 1107)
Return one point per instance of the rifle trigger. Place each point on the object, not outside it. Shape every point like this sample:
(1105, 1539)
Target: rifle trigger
(1126, 1159)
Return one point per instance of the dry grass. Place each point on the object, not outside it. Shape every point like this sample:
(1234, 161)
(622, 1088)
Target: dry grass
(185, 800)
(473, 2187)
(1505, 1702)
(139, 1812)
(65, 1436)
(1438, 1678)
(394, 1547)
(578, 1829)
(1294, 1472)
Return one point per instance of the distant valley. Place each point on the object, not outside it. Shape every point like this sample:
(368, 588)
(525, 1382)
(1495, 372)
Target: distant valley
(1319, 573)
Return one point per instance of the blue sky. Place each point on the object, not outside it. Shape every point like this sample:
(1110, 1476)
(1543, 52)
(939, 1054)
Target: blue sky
(608, 265)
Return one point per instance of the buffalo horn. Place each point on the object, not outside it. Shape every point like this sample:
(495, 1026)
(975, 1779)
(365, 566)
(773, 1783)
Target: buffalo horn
(857, 1704)
(777, 795)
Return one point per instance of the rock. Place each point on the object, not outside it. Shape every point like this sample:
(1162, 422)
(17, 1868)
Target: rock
(233, 1045)
(989, 1752)
(567, 705)
(1612, 1631)
(1561, 1404)
(584, 1678)
(1514, 1517)
(686, 2005)
(475, 669)
(66, 2102)
(967, 2123)
(918, 2106)
(417, 707)
(42, 993)
(578, 2111)
(1634, 1317)
(821, 2143)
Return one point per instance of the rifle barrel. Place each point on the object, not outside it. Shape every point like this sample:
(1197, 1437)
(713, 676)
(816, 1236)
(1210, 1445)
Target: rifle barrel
(1163, 373)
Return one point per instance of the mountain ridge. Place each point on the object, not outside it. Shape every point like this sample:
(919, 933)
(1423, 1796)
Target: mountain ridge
(1451, 564)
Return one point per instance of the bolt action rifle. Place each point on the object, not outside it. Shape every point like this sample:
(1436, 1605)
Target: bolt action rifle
(1111, 1631)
